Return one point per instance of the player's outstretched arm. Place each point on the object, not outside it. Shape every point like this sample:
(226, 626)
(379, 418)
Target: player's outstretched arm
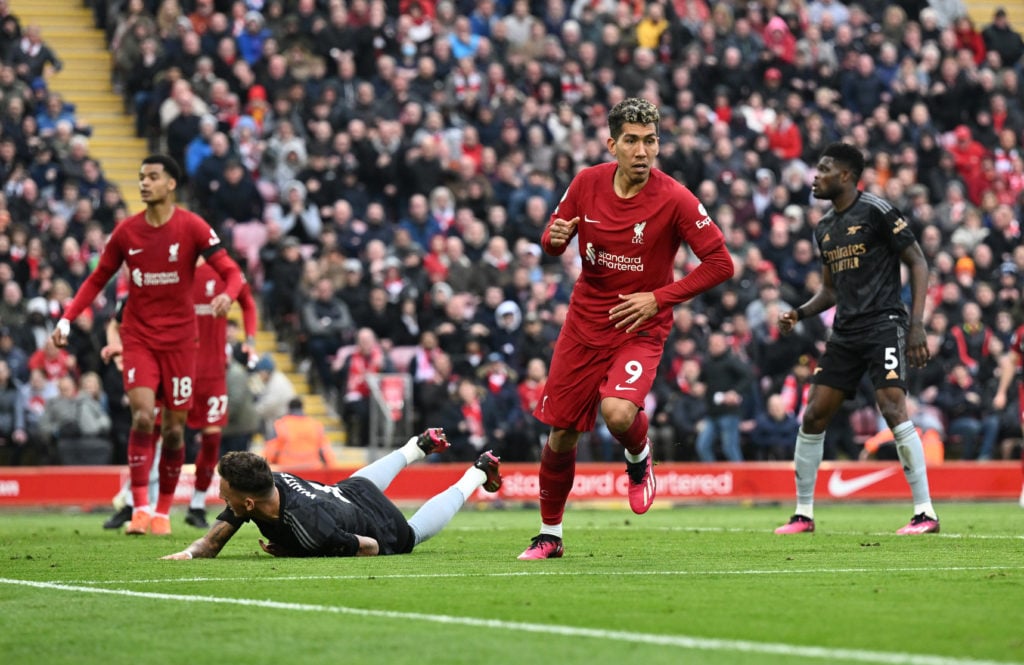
(249, 323)
(208, 546)
(233, 278)
(110, 261)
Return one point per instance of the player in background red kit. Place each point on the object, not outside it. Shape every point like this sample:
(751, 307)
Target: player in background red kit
(160, 247)
(1011, 366)
(209, 404)
(209, 411)
(630, 220)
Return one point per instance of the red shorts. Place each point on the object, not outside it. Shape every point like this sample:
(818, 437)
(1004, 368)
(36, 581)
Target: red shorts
(168, 373)
(581, 376)
(210, 403)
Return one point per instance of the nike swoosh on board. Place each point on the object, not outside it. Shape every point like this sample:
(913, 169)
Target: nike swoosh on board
(839, 487)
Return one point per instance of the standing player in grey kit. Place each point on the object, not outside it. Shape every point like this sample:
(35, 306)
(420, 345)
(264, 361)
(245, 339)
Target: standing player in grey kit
(863, 240)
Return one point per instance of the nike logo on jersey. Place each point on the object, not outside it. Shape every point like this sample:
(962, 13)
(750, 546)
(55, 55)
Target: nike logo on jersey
(179, 402)
(839, 488)
(619, 386)
(586, 218)
(133, 252)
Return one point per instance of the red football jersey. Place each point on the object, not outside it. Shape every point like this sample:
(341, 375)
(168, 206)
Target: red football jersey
(213, 337)
(160, 262)
(628, 246)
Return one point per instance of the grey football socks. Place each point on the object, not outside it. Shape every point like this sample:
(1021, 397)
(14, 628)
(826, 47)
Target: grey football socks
(911, 453)
(807, 458)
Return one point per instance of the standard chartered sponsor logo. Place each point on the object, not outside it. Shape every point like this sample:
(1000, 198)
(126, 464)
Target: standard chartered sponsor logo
(620, 261)
(160, 278)
(613, 484)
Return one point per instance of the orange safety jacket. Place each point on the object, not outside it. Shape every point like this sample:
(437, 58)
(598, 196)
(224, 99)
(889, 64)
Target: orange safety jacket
(300, 441)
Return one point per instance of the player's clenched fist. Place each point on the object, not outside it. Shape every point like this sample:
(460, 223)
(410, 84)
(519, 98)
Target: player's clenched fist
(788, 321)
(561, 230)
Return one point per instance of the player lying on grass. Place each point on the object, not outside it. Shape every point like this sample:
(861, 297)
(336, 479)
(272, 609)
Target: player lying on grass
(350, 518)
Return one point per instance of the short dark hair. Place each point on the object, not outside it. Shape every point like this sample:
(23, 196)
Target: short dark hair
(847, 155)
(246, 472)
(170, 165)
(633, 110)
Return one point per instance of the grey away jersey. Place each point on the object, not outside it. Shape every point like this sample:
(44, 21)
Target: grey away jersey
(324, 520)
(861, 247)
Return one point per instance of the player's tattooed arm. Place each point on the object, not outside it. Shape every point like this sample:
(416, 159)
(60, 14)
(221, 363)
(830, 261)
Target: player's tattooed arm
(209, 545)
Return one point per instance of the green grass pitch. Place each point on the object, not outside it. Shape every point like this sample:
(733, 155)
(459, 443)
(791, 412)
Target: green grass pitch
(691, 584)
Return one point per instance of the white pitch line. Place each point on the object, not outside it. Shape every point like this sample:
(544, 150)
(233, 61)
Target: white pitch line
(720, 529)
(534, 572)
(679, 641)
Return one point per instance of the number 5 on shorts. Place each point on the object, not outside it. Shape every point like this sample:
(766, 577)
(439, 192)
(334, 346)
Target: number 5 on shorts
(892, 361)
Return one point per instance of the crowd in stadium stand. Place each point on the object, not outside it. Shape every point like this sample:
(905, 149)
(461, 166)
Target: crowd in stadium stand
(383, 171)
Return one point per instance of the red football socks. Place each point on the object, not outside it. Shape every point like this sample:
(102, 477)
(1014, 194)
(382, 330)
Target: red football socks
(206, 459)
(635, 438)
(557, 472)
(141, 446)
(170, 469)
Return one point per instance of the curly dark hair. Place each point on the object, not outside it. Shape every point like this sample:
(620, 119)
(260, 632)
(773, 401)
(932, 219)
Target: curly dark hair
(632, 110)
(246, 472)
(171, 166)
(846, 155)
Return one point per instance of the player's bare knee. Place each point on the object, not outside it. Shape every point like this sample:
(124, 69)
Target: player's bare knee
(892, 405)
(563, 440)
(618, 417)
(814, 423)
(618, 423)
(143, 421)
(894, 414)
(173, 437)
